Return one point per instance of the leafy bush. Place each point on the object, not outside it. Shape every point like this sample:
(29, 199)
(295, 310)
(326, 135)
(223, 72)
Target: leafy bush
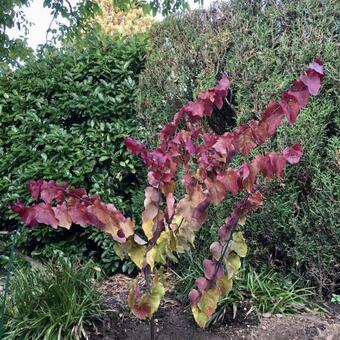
(56, 302)
(262, 44)
(186, 54)
(65, 116)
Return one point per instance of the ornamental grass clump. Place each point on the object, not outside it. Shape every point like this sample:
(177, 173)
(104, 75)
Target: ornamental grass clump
(57, 301)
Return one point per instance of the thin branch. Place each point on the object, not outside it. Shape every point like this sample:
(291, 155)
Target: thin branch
(225, 247)
(49, 27)
(79, 198)
(74, 14)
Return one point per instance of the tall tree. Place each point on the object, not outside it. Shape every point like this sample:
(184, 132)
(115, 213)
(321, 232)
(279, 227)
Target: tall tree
(12, 15)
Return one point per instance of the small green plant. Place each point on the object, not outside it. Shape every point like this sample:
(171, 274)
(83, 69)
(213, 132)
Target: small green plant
(186, 277)
(335, 298)
(55, 302)
(267, 291)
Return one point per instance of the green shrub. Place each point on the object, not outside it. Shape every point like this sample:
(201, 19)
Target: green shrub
(298, 226)
(268, 292)
(263, 45)
(56, 302)
(64, 116)
(186, 53)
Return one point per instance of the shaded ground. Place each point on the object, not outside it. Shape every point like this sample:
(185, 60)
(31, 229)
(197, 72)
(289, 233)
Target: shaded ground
(174, 321)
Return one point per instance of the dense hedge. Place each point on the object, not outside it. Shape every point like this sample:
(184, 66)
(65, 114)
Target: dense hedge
(264, 45)
(186, 53)
(64, 116)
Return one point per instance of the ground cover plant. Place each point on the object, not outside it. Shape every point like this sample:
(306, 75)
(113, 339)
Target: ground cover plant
(56, 301)
(265, 290)
(204, 161)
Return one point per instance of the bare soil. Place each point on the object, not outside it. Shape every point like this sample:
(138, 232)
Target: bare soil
(173, 321)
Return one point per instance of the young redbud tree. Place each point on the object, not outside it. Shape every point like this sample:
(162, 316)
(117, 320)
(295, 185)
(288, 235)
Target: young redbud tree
(169, 222)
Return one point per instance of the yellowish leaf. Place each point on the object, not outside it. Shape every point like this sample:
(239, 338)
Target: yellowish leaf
(232, 263)
(155, 297)
(165, 247)
(150, 258)
(225, 285)
(238, 244)
(200, 318)
(119, 251)
(136, 254)
(208, 302)
(148, 228)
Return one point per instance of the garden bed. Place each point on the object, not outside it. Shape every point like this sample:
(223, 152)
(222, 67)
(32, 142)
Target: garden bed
(174, 321)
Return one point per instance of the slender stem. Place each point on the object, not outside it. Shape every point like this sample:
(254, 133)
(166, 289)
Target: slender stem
(152, 328)
(78, 197)
(225, 247)
(147, 271)
(49, 27)
(219, 262)
(148, 284)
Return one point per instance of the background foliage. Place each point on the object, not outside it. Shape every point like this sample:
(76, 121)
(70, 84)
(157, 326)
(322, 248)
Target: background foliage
(186, 54)
(263, 45)
(64, 116)
(11, 49)
(114, 20)
(12, 15)
(77, 18)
